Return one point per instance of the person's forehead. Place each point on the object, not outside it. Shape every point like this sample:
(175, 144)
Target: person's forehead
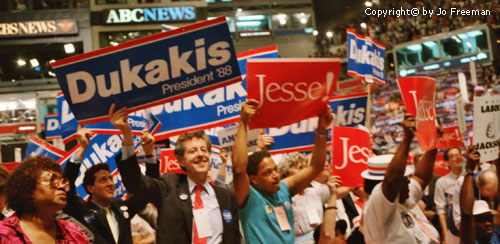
(102, 173)
(47, 174)
(267, 163)
(195, 142)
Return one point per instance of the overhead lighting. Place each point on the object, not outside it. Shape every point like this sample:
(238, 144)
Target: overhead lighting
(21, 62)
(430, 44)
(329, 34)
(363, 25)
(303, 20)
(315, 32)
(52, 60)
(113, 43)
(474, 33)
(239, 10)
(251, 17)
(368, 4)
(69, 48)
(468, 44)
(414, 47)
(248, 23)
(282, 21)
(34, 62)
(456, 39)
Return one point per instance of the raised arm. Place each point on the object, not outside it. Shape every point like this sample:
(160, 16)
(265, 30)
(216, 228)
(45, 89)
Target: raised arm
(239, 155)
(148, 146)
(73, 166)
(303, 178)
(327, 234)
(423, 171)
(394, 174)
(467, 225)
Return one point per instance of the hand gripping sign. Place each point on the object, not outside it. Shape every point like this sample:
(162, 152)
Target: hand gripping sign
(214, 108)
(290, 90)
(149, 71)
(351, 149)
(419, 96)
(487, 126)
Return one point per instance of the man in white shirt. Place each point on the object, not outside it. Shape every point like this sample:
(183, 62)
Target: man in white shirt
(391, 214)
(444, 190)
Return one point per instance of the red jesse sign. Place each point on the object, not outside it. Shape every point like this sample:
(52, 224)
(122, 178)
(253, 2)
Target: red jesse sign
(419, 96)
(351, 149)
(168, 162)
(290, 90)
(450, 138)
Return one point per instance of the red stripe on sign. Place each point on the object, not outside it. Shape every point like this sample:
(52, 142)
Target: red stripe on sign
(138, 42)
(47, 146)
(258, 51)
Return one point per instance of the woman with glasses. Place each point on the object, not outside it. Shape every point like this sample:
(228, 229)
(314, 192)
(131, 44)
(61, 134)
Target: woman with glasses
(36, 191)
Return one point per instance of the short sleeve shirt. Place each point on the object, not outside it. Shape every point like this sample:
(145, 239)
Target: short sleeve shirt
(258, 217)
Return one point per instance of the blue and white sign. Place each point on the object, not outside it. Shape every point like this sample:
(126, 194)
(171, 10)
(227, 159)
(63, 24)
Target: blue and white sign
(214, 108)
(67, 120)
(101, 149)
(149, 71)
(138, 124)
(37, 146)
(349, 110)
(52, 126)
(366, 58)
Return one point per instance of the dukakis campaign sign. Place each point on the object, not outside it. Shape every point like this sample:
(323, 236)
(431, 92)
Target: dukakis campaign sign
(214, 108)
(419, 96)
(299, 83)
(365, 58)
(149, 71)
(349, 110)
(67, 120)
(52, 126)
(37, 146)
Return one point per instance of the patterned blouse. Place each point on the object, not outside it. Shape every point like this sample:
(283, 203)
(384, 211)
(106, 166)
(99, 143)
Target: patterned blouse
(67, 232)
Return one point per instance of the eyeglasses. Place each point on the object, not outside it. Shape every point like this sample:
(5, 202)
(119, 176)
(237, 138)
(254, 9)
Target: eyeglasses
(56, 181)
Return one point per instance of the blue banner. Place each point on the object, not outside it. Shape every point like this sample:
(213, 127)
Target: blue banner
(365, 58)
(149, 71)
(37, 146)
(52, 126)
(67, 120)
(214, 108)
(101, 149)
(349, 110)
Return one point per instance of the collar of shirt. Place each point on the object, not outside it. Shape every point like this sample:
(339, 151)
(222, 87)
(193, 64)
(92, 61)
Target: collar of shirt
(206, 185)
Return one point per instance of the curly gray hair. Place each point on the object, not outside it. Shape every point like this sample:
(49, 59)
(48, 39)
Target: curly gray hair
(289, 161)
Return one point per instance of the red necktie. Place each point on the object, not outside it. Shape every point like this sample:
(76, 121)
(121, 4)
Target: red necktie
(198, 204)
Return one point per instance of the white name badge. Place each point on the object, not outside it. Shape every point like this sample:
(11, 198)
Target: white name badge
(313, 216)
(282, 218)
(203, 225)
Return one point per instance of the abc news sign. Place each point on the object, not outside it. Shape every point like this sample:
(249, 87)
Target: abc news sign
(149, 15)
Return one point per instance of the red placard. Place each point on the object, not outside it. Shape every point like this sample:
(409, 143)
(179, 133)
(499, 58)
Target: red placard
(290, 90)
(440, 166)
(419, 96)
(351, 149)
(450, 138)
(168, 162)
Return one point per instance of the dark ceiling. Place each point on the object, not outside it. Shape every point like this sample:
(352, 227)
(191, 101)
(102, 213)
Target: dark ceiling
(332, 14)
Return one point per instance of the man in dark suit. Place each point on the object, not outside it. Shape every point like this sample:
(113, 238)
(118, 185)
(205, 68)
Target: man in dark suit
(190, 209)
(107, 218)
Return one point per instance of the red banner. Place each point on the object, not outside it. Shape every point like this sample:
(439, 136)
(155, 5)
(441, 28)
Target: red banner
(440, 166)
(290, 90)
(168, 162)
(419, 96)
(450, 138)
(351, 149)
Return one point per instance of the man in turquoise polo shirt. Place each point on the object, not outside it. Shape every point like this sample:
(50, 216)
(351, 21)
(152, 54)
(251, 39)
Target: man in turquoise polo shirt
(265, 205)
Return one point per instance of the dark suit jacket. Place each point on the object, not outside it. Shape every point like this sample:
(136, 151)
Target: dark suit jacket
(94, 217)
(175, 215)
